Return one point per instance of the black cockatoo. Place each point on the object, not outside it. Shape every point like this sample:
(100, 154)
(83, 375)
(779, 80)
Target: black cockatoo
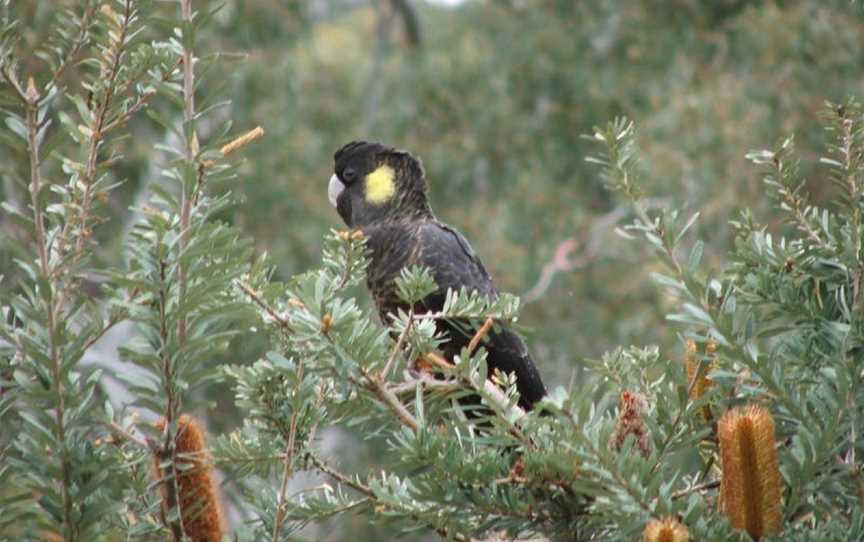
(382, 192)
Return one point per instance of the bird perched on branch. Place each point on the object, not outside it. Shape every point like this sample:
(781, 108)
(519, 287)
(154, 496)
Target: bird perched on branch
(382, 192)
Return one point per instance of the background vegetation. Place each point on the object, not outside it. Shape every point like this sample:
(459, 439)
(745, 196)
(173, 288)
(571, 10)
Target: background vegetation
(494, 96)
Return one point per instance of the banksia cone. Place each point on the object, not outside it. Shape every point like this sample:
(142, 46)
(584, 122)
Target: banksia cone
(200, 508)
(631, 406)
(242, 141)
(750, 482)
(702, 383)
(665, 530)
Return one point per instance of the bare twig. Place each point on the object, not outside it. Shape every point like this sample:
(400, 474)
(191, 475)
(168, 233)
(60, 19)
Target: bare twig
(338, 476)
(168, 448)
(375, 384)
(125, 434)
(411, 25)
(288, 470)
(475, 340)
(591, 241)
(696, 489)
(31, 95)
(253, 295)
(398, 347)
(410, 386)
(113, 321)
(191, 151)
(52, 307)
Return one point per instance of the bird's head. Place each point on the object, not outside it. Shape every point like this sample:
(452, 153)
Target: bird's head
(372, 182)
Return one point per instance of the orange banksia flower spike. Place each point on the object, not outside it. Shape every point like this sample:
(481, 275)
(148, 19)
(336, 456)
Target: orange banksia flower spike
(665, 530)
(702, 383)
(242, 141)
(198, 496)
(750, 485)
(631, 407)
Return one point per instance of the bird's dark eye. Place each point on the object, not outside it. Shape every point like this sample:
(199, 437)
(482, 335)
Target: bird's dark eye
(349, 174)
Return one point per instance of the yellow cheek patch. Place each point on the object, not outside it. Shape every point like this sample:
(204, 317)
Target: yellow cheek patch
(380, 185)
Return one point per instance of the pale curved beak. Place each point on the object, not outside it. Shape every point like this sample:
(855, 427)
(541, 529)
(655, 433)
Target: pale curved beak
(334, 189)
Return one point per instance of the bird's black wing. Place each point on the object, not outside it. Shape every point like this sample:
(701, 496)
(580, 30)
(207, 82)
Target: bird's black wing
(452, 261)
(455, 265)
